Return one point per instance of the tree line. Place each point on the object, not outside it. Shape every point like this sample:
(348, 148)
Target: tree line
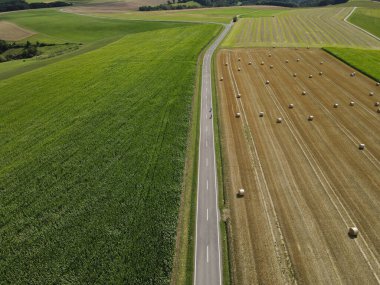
(14, 5)
(19, 50)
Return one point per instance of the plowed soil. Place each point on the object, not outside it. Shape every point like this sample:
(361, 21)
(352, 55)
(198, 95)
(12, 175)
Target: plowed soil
(306, 181)
(12, 32)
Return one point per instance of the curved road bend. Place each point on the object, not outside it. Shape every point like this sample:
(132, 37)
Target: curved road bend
(208, 265)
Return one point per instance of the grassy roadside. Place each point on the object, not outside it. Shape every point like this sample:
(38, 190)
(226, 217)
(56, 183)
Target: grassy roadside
(222, 197)
(363, 60)
(183, 268)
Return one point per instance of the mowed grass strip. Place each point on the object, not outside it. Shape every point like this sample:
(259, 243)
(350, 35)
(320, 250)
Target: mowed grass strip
(366, 61)
(92, 152)
(368, 19)
(314, 27)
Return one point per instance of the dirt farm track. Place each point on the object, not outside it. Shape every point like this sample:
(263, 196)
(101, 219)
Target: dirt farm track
(306, 181)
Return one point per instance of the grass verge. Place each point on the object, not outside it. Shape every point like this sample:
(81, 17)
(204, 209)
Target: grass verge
(223, 198)
(364, 60)
(183, 269)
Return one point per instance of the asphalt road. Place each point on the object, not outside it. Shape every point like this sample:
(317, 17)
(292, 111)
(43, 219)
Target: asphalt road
(208, 264)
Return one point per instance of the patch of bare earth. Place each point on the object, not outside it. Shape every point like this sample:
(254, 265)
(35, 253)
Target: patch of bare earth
(12, 32)
(306, 182)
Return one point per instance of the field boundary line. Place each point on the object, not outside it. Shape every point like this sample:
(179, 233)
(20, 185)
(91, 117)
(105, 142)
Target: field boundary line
(363, 30)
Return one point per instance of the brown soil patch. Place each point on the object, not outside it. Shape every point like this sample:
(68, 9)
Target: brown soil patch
(306, 181)
(12, 32)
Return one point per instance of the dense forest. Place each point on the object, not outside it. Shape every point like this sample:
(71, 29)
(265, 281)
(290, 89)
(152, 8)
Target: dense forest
(13, 5)
(223, 3)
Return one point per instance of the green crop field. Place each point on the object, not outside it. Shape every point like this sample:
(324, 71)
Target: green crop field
(367, 61)
(92, 32)
(361, 3)
(218, 15)
(66, 27)
(368, 19)
(316, 27)
(92, 152)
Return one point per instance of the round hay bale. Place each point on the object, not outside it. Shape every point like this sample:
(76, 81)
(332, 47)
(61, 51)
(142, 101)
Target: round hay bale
(336, 105)
(304, 92)
(291, 106)
(361, 146)
(286, 61)
(320, 73)
(238, 95)
(308, 47)
(250, 63)
(321, 62)
(310, 76)
(378, 110)
(226, 64)
(271, 66)
(270, 55)
(239, 69)
(279, 120)
(377, 83)
(371, 93)
(298, 59)
(377, 104)
(237, 115)
(267, 82)
(241, 192)
(261, 114)
(310, 118)
(221, 78)
(294, 74)
(352, 103)
(353, 232)
(239, 59)
(262, 63)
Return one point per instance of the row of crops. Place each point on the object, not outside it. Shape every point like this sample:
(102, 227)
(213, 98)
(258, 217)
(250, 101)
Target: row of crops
(92, 152)
(304, 27)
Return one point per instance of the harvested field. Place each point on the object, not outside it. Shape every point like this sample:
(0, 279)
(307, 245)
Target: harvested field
(12, 32)
(306, 181)
(317, 27)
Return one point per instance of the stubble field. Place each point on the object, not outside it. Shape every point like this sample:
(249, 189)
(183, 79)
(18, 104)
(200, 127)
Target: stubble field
(306, 181)
(317, 27)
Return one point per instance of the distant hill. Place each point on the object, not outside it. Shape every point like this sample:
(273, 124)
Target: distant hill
(285, 3)
(182, 4)
(14, 5)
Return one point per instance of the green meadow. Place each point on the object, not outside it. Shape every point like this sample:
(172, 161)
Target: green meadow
(368, 19)
(52, 26)
(92, 152)
(367, 61)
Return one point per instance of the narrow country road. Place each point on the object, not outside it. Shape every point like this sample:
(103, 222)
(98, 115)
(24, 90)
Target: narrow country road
(208, 264)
